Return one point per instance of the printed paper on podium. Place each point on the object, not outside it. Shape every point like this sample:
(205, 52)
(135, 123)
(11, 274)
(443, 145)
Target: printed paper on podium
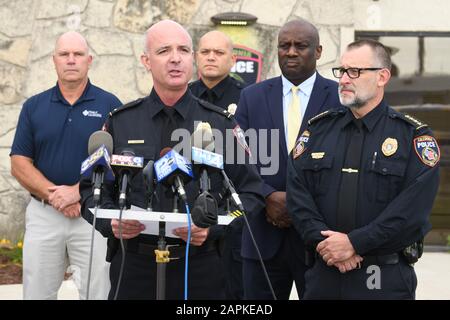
(151, 218)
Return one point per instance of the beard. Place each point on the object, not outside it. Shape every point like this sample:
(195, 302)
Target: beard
(353, 103)
(357, 101)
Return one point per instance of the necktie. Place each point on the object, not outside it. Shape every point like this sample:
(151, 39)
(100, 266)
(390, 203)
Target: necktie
(294, 119)
(169, 125)
(348, 190)
(165, 195)
(210, 96)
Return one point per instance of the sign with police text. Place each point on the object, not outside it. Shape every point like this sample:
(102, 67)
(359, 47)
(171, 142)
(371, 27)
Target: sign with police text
(248, 64)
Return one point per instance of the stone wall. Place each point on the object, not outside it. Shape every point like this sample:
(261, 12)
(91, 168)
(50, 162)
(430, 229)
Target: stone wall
(114, 30)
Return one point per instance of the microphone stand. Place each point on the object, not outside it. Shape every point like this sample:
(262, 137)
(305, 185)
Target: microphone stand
(226, 195)
(162, 255)
(97, 186)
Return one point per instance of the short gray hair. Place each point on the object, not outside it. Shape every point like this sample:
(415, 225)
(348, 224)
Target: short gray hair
(381, 53)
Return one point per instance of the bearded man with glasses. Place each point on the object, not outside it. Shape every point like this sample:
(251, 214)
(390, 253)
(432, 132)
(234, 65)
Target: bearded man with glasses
(361, 184)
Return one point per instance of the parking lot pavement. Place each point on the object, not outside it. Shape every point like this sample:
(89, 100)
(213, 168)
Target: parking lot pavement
(433, 277)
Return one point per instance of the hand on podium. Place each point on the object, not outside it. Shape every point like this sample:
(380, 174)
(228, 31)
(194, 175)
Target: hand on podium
(198, 235)
(130, 228)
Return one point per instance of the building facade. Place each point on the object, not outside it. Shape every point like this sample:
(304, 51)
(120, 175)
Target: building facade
(416, 31)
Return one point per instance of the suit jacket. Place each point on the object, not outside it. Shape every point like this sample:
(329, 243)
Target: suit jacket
(261, 107)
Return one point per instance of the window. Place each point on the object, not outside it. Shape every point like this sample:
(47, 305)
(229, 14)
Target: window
(421, 67)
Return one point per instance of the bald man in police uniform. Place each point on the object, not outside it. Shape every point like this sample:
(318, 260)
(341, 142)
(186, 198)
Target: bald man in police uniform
(146, 126)
(215, 59)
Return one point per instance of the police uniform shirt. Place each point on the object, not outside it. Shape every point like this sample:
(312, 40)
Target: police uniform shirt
(397, 179)
(226, 92)
(55, 134)
(139, 125)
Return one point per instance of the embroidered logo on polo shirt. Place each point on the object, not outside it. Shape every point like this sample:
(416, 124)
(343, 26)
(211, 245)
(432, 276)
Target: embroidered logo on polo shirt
(90, 113)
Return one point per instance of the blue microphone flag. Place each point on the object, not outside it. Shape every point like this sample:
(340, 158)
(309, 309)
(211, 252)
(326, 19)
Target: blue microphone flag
(99, 158)
(207, 158)
(172, 163)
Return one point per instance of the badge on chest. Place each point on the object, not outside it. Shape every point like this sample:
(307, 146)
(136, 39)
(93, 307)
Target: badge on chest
(389, 146)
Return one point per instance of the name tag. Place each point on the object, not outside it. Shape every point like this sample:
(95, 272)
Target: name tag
(135, 141)
(317, 155)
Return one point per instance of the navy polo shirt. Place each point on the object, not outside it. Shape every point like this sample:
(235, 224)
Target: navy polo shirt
(55, 134)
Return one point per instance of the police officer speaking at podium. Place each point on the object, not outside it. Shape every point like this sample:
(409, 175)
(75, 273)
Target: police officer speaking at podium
(361, 185)
(145, 126)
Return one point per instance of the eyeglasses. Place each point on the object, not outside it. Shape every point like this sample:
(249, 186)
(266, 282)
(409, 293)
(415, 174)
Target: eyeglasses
(353, 73)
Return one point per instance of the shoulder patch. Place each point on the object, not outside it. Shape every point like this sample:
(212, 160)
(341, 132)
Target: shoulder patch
(126, 106)
(300, 146)
(427, 149)
(410, 119)
(212, 107)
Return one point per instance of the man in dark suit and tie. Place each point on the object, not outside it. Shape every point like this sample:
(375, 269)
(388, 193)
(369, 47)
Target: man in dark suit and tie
(285, 104)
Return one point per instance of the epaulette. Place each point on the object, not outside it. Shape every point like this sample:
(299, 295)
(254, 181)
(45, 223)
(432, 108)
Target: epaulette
(126, 106)
(212, 107)
(409, 119)
(325, 114)
(238, 83)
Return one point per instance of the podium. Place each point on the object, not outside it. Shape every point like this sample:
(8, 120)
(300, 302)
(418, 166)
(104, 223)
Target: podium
(151, 219)
(160, 224)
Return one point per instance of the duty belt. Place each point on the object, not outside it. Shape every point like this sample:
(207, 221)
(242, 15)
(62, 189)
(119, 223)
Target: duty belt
(387, 259)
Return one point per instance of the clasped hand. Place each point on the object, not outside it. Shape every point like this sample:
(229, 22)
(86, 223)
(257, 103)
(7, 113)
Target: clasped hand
(337, 250)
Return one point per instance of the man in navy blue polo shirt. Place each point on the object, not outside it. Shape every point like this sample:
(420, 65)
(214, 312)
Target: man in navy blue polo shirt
(50, 144)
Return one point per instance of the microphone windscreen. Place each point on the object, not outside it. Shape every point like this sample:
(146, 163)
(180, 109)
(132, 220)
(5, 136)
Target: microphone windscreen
(164, 151)
(202, 137)
(128, 152)
(148, 172)
(97, 139)
(204, 212)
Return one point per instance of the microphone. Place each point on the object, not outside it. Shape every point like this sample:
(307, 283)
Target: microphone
(203, 157)
(172, 169)
(125, 166)
(210, 161)
(149, 181)
(206, 160)
(97, 165)
(204, 213)
(203, 137)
